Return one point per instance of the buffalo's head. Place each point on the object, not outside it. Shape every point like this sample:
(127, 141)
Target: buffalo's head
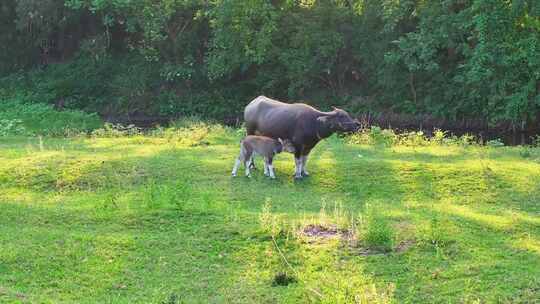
(340, 121)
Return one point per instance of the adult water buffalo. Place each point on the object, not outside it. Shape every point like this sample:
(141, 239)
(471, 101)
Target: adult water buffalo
(304, 125)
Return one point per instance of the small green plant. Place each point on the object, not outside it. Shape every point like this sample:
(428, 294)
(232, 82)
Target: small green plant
(525, 152)
(378, 234)
(435, 233)
(438, 137)
(267, 220)
(383, 137)
(413, 139)
(360, 137)
(467, 140)
(109, 203)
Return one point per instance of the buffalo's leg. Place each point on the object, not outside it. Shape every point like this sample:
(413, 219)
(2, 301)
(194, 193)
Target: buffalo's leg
(298, 167)
(304, 163)
(298, 157)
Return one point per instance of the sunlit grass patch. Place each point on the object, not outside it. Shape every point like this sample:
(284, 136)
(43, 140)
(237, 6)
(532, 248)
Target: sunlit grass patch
(528, 242)
(150, 217)
(484, 218)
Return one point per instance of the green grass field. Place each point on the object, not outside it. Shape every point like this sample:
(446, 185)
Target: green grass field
(158, 219)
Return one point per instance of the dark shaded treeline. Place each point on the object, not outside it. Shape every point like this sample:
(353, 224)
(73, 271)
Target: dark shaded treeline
(451, 63)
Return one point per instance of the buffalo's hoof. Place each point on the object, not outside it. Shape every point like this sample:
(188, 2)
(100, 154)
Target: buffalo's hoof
(305, 174)
(298, 177)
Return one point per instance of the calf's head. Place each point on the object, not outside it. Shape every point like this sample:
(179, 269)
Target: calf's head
(284, 145)
(340, 121)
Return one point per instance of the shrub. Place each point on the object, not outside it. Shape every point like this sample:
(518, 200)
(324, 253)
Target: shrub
(413, 139)
(438, 137)
(116, 130)
(192, 131)
(385, 137)
(536, 141)
(11, 127)
(35, 118)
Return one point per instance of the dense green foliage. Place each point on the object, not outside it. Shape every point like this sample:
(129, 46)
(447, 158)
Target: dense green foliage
(121, 217)
(17, 118)
(454, 58)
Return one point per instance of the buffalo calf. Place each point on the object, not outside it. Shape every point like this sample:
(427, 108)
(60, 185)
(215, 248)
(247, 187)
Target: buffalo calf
(264, 146)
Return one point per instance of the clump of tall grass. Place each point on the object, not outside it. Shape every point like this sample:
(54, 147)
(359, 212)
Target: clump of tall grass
(193, 131)
(437, 232)
(377, 233)
(110, 130)
(189, 131)
(157, 195)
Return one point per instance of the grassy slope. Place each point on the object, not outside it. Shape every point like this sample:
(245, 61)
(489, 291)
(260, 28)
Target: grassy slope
(151, 220)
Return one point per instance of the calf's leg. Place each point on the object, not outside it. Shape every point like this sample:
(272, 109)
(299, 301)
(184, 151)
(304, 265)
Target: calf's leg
(252, 163)
(236, 165)
(266, 171)
(268, 164)
(247, 159)
(241, 159)
(251, 129)
(248, 173)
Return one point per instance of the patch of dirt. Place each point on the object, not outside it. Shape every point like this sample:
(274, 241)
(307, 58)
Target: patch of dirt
(404, 246)
(320, 231)
(363, 251)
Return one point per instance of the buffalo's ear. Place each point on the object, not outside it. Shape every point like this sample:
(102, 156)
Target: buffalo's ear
(328, 121)
(322, 119)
